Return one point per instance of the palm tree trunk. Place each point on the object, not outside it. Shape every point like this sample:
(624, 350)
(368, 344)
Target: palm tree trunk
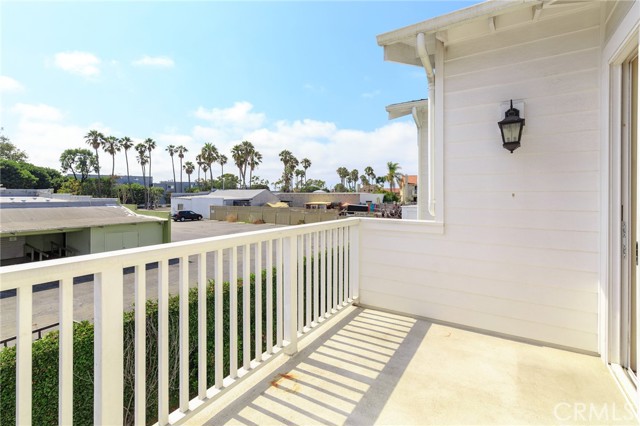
(126, 159)
(173, 166)
(181, 188)
(98, 167)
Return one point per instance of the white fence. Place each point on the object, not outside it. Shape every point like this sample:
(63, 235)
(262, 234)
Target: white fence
(303, 300)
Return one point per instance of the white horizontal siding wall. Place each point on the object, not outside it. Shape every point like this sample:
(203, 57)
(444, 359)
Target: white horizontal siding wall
(519, 252)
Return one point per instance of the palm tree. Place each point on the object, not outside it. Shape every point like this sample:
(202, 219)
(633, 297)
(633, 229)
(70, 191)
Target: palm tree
(151, 145)
(94, 139)
(171, 149)
(209, 155)
(111, 145)
(199, 163)
(305, 163)
(181, 150)
(126, 144)
(222, 160)
(393, 175)
(354, 175)
(205, 168)
(143, 159)
(290, 163)
(189, 167)
(299, 174)
(343, 173)
(255, 158)
(368, 171)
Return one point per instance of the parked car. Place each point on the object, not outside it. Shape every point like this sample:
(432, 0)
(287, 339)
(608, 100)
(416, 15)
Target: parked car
(183, 215)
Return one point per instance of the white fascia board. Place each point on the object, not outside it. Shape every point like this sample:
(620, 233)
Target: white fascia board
(442, 22)
(405, 108)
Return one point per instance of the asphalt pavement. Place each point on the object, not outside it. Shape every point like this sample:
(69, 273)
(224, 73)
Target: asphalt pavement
(45, 302)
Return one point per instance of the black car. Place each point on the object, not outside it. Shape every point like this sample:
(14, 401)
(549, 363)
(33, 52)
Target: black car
(183, 215)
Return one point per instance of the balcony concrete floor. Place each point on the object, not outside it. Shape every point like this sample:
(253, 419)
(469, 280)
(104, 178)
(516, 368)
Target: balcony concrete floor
(371, 367)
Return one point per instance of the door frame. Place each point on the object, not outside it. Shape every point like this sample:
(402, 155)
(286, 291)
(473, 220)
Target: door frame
(614, 277)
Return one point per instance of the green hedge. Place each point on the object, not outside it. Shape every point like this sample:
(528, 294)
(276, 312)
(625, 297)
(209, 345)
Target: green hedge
(45, 360)
(45, 357)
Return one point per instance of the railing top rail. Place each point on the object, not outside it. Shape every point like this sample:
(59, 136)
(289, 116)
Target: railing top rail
(16, 276)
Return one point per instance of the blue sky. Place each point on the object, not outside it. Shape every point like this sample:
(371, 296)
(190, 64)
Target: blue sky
(303, 76)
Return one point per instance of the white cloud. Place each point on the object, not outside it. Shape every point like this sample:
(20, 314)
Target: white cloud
(327, 146)
(42, 132)
(154, 61)
(81, 63)
(39, 112)
(8, 84)
(238, 118)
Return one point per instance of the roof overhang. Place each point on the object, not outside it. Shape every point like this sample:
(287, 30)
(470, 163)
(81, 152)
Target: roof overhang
(468, 23)
(32, 221)
(405, 108)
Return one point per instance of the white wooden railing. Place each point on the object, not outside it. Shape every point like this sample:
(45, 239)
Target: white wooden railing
(283, 249)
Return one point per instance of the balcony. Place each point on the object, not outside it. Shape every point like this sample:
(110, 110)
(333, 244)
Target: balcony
(301, 346)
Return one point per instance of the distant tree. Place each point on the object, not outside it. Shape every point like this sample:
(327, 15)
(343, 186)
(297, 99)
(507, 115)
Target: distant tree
(354, 175)
(393, 174)
(151, 145)
(311, 185)
(189, 167)
(290, 162)
(257, 183)
(78, 161)
(171, 149)
(222, 160)
(209, 154)
(305, 163)
(143, 159)
(368, 171)
(94, 139)
(8, 151)
(254, 160)
(300, 175)
(14, 176)
(180, 150)
(343, 173)
(340, 188)
(111, 145)
(126, 144)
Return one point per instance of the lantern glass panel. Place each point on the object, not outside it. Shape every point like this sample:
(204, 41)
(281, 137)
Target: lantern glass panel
(511, 131)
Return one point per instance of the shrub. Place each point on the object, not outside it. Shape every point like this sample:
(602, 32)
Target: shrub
(45, 359)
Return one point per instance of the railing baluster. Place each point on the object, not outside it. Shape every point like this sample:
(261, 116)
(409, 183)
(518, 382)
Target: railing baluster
(24, 302)
(308, 292)
(290, 295)
(334, 238)
(219, 330)
(258, 301)
(246, 307)
(108, 347)
(300, 280)
(65, 372)
(323, 273)
(140, 381)
(163, 342)
(347, 265)
(183, 294)
(270, 296)
(354, 264)
(279, 295)
(233, 315)
(316, 276)
(202, 325)
(340, 267)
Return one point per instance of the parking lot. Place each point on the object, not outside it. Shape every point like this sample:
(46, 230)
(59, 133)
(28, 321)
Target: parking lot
(45, 302)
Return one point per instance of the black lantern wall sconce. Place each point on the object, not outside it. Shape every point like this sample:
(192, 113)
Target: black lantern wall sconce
(511, 129)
